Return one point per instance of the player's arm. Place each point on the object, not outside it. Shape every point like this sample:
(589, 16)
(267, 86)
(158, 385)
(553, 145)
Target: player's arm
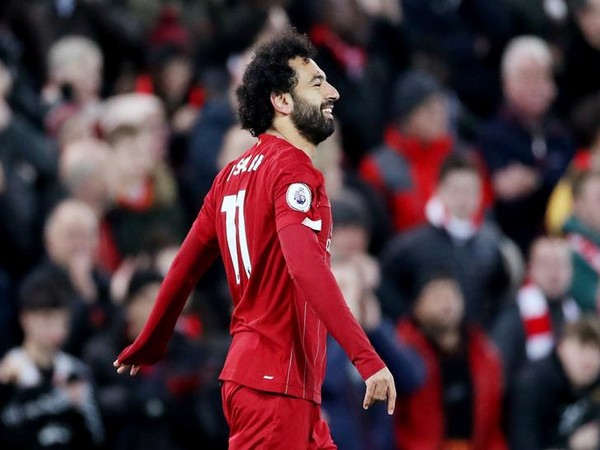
(315, 282)
(198, 251)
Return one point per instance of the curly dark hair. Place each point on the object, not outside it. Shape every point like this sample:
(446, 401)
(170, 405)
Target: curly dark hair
(270, 71)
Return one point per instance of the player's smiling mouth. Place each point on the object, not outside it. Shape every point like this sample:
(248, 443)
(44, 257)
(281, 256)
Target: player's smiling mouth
(328, 109)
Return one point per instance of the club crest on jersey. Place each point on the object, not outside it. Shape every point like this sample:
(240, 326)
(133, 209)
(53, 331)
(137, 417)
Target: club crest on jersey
(299, 197)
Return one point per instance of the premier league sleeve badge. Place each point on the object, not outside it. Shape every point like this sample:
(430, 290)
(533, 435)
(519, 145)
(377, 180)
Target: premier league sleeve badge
(299, 197)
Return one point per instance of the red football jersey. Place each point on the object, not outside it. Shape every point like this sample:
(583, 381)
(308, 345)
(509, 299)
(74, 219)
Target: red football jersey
(268, 215)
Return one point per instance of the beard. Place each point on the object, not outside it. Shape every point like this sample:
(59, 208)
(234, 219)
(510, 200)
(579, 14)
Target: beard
(442, 335)
(310, 121)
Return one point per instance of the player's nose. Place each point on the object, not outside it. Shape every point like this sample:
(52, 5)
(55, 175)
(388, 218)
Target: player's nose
(332, 93)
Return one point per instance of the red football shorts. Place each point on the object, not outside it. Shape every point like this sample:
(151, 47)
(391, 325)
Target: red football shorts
(261, 420)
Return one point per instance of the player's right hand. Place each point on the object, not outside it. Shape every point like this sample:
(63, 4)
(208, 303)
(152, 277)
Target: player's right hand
(122, 368)
(381, 387)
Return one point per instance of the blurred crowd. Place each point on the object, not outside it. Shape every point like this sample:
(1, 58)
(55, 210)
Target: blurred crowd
(464, 177)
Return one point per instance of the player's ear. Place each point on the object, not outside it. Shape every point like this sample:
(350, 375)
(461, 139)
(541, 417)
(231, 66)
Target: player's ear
(282, 102)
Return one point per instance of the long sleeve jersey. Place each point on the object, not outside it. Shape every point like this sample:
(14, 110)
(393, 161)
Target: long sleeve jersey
(269, 217)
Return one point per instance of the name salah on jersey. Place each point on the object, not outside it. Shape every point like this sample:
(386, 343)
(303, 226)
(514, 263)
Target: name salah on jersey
(298, 195)
(247, 164)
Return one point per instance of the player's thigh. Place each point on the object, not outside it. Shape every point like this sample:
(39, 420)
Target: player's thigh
(264, 421)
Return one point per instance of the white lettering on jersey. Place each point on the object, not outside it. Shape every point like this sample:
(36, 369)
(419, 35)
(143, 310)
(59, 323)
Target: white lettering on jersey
(298, 197)
(247, 164)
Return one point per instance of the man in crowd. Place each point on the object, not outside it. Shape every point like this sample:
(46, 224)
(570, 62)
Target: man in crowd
(404, 169)
(71, 240)
(524, 147)
(456, 241)
(460, 404)
(161, 407)
(358, 275)
(555, 402)
(528, 328)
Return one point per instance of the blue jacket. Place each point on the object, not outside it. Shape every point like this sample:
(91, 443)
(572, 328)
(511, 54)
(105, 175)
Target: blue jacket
(343, 391)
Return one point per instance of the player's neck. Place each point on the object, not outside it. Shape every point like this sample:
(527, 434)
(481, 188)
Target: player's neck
(286, 130)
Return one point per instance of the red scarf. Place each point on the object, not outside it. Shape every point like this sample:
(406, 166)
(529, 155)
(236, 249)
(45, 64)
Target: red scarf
(535, 314)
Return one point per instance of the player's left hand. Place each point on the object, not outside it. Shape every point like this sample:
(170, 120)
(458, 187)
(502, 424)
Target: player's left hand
(122, 368)
(381, 387)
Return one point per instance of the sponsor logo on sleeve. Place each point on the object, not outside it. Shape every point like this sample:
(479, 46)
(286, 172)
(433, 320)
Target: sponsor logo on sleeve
(298, 197)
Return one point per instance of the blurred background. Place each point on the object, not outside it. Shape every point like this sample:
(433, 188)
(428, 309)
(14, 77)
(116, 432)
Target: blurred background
(464, 176)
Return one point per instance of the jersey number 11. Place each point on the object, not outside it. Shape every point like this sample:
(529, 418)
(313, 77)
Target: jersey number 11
(233, 207)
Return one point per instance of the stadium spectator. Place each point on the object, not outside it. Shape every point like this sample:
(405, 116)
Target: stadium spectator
(46, 396)
(28, 162)
(357, 273)
(85, 172)
(15, 49)
(581, 55)
(345, 186)
(583, 234)
(525, 148)
(75, 66)
(249, 24)
(342, 32)
(586, 126)
(555, 403)
(465, 38)
(71, 239)
(160, 408)
(460, 404)
(147, 207)
(115, 30)
(528, 327)
(200, 163)
(403, 170)
(455, 240)
(173, 78)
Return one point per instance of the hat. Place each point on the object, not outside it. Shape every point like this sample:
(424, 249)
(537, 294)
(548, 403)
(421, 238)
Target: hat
(411, 90)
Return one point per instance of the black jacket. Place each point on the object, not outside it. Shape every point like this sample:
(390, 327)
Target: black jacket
(504, 141)
(545, 410)
(477, 264)
(29, 162)
(36, 411)
(509, 336)
(174, 404)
